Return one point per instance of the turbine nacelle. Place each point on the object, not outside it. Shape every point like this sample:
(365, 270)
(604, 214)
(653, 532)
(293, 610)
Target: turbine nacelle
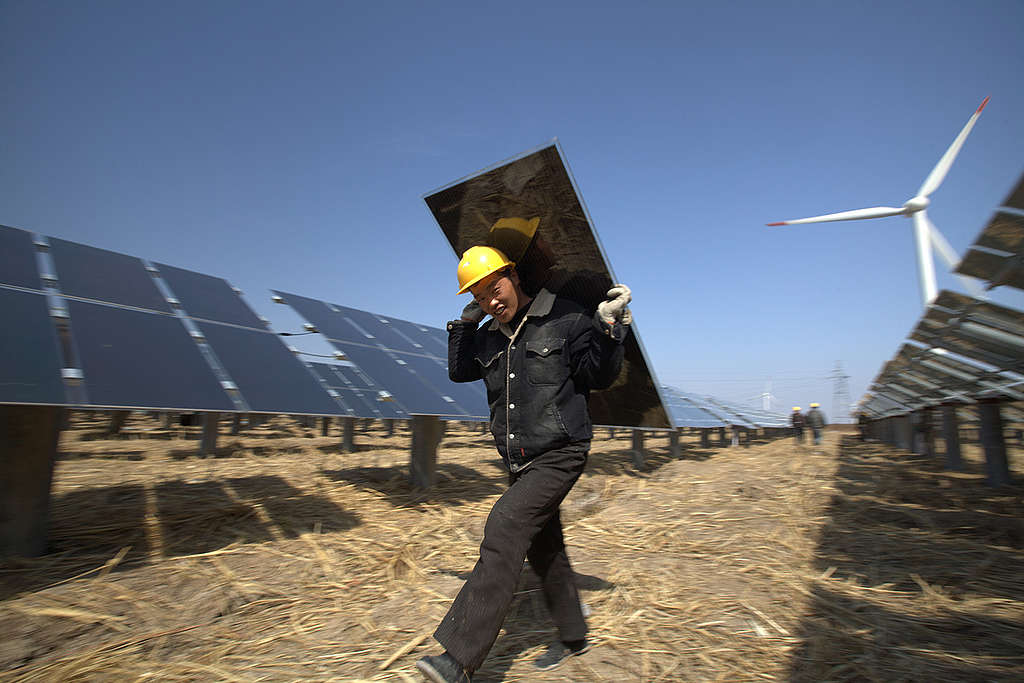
(918, 203)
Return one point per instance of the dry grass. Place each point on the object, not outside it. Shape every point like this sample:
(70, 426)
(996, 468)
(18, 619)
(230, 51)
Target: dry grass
(282, 559)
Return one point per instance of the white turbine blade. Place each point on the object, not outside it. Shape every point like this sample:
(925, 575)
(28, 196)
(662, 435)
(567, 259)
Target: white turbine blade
(951, 258)
(938, 174)
(873, 212)
(925, 264)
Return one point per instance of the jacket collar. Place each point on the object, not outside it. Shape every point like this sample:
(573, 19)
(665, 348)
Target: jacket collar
(539, 307)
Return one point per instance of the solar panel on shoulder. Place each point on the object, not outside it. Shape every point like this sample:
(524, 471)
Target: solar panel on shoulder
(563, 256)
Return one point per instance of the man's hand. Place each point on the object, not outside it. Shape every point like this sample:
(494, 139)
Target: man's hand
(614, 308)
(472, 313)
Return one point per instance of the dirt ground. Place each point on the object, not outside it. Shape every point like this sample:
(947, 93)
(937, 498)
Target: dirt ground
(283, 559)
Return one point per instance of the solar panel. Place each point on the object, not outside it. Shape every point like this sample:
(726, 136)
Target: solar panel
(993, 268)
(136, 359)
(976, 329)
(18, 259)
(686, 414)
(407, 360)
(362, 399)
(564, 256)
(708, 405)
(412, 392)
(103, 275)
(269, 376)
(1016, 197)
(208, 297)
(29, 353)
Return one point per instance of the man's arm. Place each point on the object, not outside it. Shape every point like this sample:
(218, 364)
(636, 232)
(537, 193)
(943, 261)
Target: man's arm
(462, 365)
(595, 351)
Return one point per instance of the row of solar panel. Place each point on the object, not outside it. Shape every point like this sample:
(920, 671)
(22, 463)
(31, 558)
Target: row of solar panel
(133, 347)
(962, 350)
(126, 344)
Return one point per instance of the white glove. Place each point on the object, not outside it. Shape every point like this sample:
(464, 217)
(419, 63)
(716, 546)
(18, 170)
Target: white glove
(472, 313)
(614, 308)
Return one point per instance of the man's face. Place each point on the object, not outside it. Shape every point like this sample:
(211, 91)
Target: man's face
(499, 295)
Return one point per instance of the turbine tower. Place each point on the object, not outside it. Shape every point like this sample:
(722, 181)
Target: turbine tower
(926, 235)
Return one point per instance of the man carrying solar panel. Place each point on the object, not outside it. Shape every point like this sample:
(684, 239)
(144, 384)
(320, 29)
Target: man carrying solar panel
(539, 357)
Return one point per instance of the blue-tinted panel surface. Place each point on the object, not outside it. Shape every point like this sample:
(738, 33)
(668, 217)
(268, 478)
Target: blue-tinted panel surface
(330, 324)
(470, 397)
(269, 376)
(103, 275)
(361, 402)
(686, 414)
(29, 356)
(134, 359)
(18, 259)
(205, 296)
(363, 326)
(405, 385)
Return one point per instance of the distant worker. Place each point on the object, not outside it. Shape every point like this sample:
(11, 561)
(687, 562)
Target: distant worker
(539, 358)
(816, 421)
(797, 420)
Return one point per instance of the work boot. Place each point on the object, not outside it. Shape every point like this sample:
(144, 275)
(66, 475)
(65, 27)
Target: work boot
(558, 652)
(443, 669)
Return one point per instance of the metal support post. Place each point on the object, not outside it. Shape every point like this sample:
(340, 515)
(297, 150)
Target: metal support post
(996, 466)
(426, 435)
(211, 426)
(325, 426)
(389, 428)
(951, 434)
(348, 435)
(705, 437)
(236, 423)
(28, 441)
(673, 444)
(638, 449)
(117, 420)
(722, 440)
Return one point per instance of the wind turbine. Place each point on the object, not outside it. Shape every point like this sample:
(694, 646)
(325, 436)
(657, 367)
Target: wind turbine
(926, 235)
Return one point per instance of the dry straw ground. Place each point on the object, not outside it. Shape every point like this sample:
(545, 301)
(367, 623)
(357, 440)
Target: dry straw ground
(282, 559)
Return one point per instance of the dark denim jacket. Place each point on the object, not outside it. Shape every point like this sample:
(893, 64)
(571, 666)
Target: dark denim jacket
(538, 377)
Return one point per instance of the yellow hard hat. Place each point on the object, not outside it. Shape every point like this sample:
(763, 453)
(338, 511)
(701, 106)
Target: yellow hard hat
(814, 405)
(513, 235)
(479, 262)
(796, 407)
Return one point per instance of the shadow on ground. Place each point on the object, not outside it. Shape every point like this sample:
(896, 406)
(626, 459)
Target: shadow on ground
(926, 570)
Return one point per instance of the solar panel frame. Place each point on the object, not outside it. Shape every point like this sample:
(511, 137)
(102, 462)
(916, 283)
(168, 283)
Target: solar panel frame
(18, 266)
(137, 359)
(30, 358)
(208, 297)
(269, 377)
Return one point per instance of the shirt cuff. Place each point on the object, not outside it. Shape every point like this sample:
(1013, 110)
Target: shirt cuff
(616, 331)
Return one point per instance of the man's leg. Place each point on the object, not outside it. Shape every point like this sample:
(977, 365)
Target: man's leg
(472, 624)
(548, 558)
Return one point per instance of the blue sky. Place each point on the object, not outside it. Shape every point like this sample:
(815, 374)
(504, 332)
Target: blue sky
(288, 145)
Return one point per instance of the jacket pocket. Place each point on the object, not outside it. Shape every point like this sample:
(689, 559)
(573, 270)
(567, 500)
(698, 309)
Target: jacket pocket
(490, 368)
(545, 362)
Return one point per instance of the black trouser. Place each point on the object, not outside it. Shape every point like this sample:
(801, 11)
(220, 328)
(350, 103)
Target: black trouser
(524, 522)
(799, 433)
